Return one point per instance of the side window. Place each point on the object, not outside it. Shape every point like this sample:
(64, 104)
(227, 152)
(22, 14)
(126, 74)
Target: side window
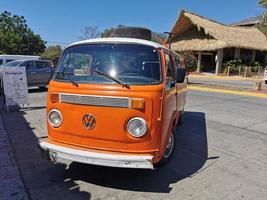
(169, 75)
(42, 64)
(7, 61)
(28, 65)
(1, 61)
(177, 62)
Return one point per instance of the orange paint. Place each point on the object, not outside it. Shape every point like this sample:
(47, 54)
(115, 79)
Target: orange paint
(158, 105)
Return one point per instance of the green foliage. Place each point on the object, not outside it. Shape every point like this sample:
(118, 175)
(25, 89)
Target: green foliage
(256, 66)
(108, 32)
(52, 53)
(262, 25)
(263, 3)
(190, 60)
(234, 66)
(17, 38)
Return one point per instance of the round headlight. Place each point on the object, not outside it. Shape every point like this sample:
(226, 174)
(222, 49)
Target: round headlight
(55, 118)
(137, 127)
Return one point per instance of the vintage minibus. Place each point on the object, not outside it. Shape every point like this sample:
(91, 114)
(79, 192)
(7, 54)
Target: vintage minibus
(115, 102)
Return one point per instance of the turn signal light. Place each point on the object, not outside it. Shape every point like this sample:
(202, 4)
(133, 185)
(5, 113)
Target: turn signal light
(54, 97)
(137, 103)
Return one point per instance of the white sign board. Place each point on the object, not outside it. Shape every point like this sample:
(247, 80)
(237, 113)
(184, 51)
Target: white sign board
(15, 85)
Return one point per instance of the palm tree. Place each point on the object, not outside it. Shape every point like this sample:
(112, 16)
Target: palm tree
(263, 3)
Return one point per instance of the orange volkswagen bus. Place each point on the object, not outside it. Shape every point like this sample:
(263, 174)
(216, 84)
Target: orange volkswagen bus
(115, 102)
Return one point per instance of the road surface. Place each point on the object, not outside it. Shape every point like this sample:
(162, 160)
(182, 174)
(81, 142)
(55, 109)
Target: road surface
(220, 153)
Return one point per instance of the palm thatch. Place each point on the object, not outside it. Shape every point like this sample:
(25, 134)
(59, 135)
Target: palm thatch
(194, 32)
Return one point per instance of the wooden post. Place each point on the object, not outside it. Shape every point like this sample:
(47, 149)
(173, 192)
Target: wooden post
(253, 56)
(219, 59)
(237, 53)
(199, 61)
(228, 70)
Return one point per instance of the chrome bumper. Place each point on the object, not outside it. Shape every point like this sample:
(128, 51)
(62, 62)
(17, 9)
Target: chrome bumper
(58, 153)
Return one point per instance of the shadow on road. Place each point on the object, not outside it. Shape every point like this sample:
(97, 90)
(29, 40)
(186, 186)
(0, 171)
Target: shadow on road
(43, 179)
(189, 157)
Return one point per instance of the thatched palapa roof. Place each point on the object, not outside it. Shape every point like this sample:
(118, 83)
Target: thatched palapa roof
(194, 32)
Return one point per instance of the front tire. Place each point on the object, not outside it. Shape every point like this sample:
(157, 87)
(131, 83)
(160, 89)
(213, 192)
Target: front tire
(265, 81)
(169, 151)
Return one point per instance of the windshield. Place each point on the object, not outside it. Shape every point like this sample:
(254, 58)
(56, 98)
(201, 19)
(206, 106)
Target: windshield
(129, 63)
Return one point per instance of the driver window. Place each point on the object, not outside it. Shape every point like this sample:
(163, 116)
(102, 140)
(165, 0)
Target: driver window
(169, 69)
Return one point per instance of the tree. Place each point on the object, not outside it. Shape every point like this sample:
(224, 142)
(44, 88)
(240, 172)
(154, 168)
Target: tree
(108, 32)
(52, 53)
(263, 3)
(160, 38)
(90, 32)
(17, 38)
(262, 26)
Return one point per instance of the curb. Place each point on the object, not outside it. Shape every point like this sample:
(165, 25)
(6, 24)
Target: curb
(227, 91)
(12, 186)
(236, 78)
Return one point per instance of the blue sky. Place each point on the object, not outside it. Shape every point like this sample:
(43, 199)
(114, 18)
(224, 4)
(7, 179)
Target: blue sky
(62, 20)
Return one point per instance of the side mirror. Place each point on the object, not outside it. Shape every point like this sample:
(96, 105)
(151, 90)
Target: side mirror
(180, 75)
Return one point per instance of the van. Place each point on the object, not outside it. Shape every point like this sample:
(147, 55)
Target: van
(115, 102)
(8, 58)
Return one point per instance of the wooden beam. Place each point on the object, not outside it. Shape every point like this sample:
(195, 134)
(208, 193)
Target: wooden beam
(219, 60)
(199, 61)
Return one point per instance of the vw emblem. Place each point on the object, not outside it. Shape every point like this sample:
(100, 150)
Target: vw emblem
(89, 121)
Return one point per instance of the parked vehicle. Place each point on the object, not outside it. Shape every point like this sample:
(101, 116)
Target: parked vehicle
(38, 72)
(265, 75)
(115, 102)
(8, 58)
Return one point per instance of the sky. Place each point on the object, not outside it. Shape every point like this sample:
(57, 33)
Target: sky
(61, 21)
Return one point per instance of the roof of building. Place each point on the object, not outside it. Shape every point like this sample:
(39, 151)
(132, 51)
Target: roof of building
(248, 22)
(214, 36)
(119, 40)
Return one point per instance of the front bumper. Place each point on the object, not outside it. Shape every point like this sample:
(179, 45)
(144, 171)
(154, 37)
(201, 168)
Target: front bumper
(57, 153)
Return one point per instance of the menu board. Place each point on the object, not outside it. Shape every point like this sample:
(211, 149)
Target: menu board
(15, 85)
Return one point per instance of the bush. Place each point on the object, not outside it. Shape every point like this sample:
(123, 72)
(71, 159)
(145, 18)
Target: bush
(190, 61)
(234, 66)
(256, 66)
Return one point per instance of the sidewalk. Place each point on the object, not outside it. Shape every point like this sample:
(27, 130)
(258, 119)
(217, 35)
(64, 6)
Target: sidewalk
(213, 76)
(11, 184)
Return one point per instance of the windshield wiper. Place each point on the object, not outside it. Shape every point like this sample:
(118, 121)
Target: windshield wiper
(112, 78)
(71, 80)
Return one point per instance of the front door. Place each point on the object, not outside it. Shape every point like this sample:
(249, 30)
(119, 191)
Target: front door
(30, 72)
(169, 100)
(43, 72)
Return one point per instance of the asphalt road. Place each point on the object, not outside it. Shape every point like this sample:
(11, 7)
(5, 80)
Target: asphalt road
(244, 84)
(221, 153)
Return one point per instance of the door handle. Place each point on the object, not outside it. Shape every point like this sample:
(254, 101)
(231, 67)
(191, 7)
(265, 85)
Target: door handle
(33, 72)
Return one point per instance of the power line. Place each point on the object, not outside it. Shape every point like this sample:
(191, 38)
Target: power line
(57, 42)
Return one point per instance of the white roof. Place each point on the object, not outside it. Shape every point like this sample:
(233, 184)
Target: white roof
(120, 40)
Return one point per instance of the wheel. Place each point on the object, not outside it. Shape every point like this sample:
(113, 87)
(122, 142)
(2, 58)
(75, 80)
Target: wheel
(265, 81)
(168, 152)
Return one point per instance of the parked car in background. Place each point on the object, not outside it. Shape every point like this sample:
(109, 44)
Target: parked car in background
(265, 75)
(8, 58)
(38, 72)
